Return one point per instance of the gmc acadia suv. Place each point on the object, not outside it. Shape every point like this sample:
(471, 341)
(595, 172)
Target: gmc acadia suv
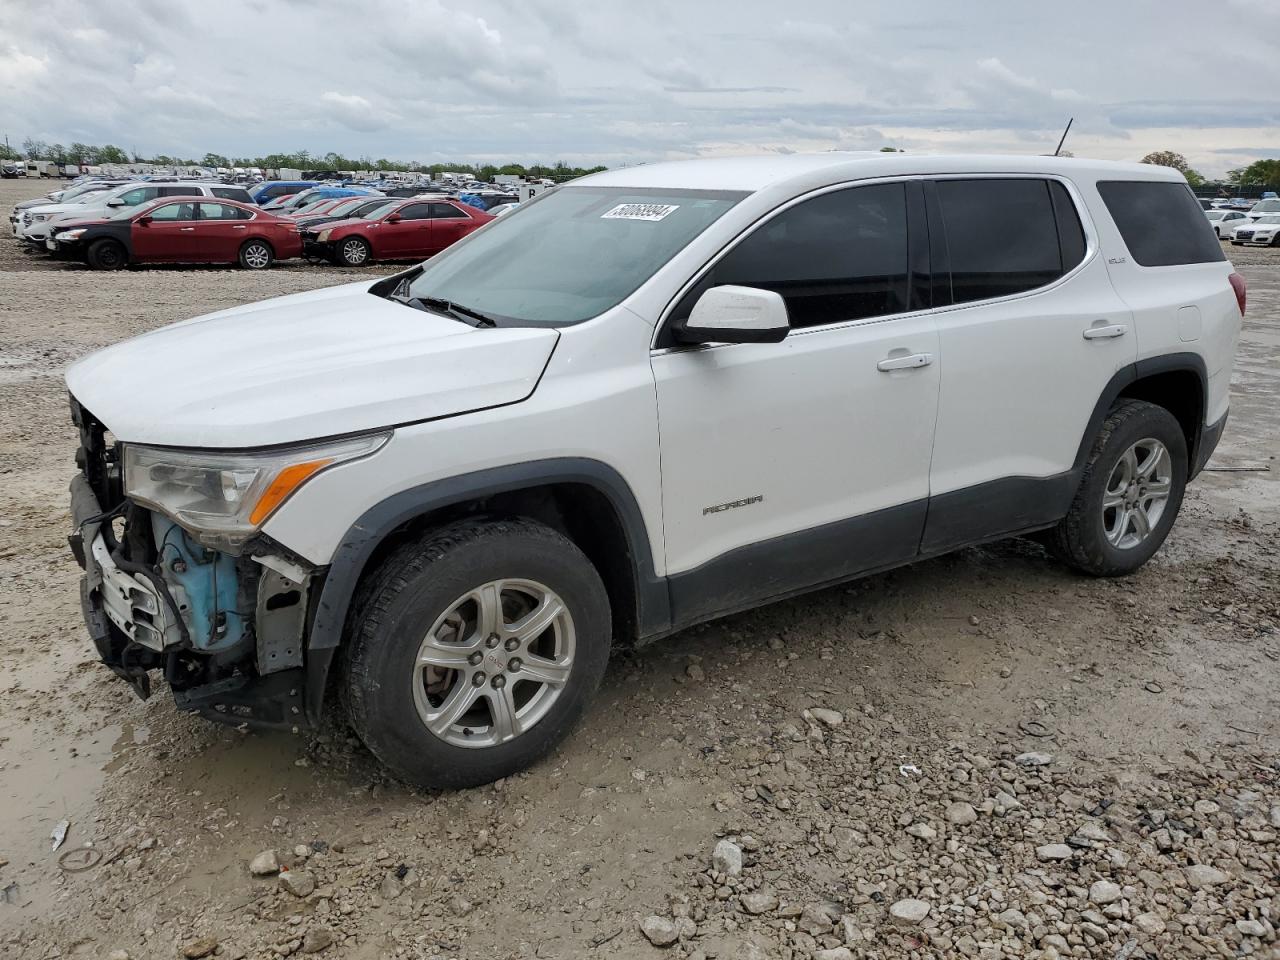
(648, 398)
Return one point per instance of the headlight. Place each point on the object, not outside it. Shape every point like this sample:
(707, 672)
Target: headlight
(223, 498)
(69, 234)
(323, 235)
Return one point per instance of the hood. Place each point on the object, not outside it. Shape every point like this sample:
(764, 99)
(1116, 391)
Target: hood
(54, 209)
(303, 367)
(70, 222)
(345, 222)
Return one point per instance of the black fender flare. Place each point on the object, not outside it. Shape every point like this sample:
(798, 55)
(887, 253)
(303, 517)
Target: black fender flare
(122, 233)
(375, 524)
(1131, 373)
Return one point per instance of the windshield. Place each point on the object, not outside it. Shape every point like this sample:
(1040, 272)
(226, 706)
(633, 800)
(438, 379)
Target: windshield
(1270, 218)
(345, 205)
(571, 254)
(373, 213)
(1216, 214)
(124, 213)
(1266, 206)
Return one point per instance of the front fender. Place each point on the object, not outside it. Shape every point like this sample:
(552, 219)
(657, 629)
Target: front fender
(363, 537)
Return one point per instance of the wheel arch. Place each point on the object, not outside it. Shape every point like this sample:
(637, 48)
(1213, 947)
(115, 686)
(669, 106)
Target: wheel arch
(259, 239)
(584, 499)
(1179, 382)
(124, 237)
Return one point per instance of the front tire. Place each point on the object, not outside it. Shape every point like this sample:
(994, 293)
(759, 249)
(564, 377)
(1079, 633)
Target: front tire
(1129, 494)
(107, 254)
(352, 252)
(475, 650)
(256, 255)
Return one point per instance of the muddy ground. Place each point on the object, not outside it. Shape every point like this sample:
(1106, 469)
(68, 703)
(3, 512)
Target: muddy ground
(1018, 762)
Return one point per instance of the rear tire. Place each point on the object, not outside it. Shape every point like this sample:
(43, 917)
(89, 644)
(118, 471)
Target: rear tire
(442, 684)
(1129, 494)
(352, 252)
(107, 254)
(256, 255)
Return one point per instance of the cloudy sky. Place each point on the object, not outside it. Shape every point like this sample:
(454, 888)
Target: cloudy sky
(616, 82)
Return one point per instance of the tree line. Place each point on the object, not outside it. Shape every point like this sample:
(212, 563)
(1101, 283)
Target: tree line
(84, 153)
(1259, 173)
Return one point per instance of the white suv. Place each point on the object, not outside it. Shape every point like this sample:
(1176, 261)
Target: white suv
(645, 399)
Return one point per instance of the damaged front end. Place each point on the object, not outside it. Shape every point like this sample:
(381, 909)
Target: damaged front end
(226, 623)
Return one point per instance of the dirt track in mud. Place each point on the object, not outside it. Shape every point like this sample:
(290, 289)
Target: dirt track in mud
(1157, 699)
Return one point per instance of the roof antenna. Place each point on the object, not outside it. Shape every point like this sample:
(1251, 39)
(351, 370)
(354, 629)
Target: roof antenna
(1070, 121)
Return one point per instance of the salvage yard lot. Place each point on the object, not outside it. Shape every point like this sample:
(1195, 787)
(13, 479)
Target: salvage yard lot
(1043, 765)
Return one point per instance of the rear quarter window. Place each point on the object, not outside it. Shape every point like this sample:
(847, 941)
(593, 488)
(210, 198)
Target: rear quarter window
(1161, 223)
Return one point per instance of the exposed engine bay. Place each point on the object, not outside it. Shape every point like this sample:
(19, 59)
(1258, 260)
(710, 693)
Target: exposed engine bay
(228, 632)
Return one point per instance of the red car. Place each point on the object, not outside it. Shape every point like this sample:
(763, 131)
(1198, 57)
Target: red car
(181, 230)
(412, 230)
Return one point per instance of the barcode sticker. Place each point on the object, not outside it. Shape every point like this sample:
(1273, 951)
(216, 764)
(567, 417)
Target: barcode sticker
(640, 211)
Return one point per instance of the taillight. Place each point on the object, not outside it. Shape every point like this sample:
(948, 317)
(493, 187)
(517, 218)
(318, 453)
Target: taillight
(1238, 285)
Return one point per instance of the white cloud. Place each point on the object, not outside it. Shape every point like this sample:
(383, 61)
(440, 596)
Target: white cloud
(620, 82)
(354, 111)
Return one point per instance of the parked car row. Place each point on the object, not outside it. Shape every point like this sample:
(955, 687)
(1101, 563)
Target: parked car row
(1247, 228)
(111, 224)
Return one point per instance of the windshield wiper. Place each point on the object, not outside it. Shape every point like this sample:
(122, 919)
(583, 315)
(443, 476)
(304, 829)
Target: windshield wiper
(465, 314)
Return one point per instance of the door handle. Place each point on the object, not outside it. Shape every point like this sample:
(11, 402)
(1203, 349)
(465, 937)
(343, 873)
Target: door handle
(1106, 331)
(910, 362)
(239, 228)
(185, 229)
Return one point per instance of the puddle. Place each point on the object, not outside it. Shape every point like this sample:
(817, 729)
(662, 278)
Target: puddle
(51, 768)
(19, 370)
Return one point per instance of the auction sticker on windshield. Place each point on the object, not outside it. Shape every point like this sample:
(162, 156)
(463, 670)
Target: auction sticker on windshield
(640, 211)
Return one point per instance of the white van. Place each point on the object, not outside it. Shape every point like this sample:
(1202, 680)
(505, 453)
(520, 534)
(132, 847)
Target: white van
(648, 398)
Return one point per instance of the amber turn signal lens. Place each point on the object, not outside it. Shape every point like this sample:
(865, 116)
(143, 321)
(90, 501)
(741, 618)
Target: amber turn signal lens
(287, 480)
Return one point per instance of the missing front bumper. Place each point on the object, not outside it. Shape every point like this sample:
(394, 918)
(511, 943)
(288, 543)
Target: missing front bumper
(134, 630)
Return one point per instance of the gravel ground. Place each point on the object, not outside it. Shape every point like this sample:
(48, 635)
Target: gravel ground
(980, 756)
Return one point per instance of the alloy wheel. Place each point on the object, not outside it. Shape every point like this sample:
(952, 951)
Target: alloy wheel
(257, 256)
(354, 252)
(1137, 493)
(494, 663)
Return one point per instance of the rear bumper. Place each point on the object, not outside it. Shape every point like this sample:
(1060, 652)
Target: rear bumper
(1209, 438)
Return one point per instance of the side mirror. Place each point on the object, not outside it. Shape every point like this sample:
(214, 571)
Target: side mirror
(144, 221)
(733, 314)
(394, 218)
(116, 202)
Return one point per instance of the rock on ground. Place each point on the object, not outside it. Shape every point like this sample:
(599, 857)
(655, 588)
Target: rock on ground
(659, 931)
(264, 864)
(298, 882)
(909, 910)
(200, 948)
(726, 858)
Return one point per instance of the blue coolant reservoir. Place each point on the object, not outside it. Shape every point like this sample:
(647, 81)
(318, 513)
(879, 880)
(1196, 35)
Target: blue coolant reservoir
(204, 584)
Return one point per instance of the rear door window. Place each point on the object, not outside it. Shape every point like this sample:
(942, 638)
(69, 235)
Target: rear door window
(1161, 223)
(1008, 236)
(446, 211)
(222, 211)
(232, 193)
